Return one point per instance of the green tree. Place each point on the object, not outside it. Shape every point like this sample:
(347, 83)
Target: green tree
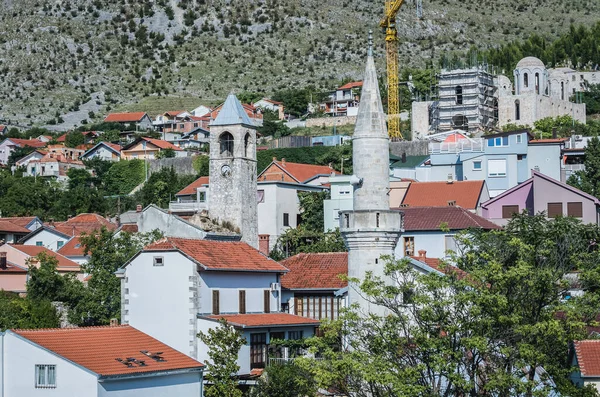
(335, 156)
(45, 283)
(588, 180)
(201, 165)
(74, 139)
(24, 313)
(166, 153)
(224, 343)
(285, 380)
(124, 176)
(591, 98)
(312, 217)
(18, 153)
(162, 187)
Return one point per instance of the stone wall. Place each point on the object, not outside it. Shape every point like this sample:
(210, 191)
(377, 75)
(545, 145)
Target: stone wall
(182, 165)
(330, 121)
(411, 148)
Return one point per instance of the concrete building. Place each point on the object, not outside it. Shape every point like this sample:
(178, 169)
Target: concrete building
(94, 361)
(371, 229)
(343, 101)
(104, 151)
(233, 170)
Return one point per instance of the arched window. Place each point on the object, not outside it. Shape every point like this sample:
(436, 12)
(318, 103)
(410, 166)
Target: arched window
(247, 144)
(459, 95)
(226, 143)
(525, 79)
(517, 110)
(537, 83)
(460, 122)
(562, 90)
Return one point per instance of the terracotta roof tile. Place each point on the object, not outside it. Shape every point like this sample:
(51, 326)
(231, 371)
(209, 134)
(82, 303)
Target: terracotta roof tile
(73, 247)
(219, 255)
(353, 84)
(28, 142)
(19, 220)
(435, 194)
(441, 267)
(83, 223)
(34, 250)
(161, 144)
(264, 319)
(300, 172)
(588, 357)
(315, 271)
(62, 138)
(191, 188)
(124, 117)
(11, 227)
(113, 146)
(433, 218)
(129, 228)
(97, 348)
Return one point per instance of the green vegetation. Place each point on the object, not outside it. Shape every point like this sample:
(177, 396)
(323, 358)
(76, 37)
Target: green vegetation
(25, 313)
(588, 180)
(285, 380)
(306, 155)
(591, 98)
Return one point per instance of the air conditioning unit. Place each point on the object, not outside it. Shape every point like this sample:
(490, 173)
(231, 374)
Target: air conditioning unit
(275, 286)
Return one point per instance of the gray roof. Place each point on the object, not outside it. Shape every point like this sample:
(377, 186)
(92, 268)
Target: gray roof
(232, 113)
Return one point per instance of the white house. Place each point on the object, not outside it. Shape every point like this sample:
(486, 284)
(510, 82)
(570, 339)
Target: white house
(104, 151)
(94, 362)
(8, 145)
(75, 251)
(36, 155)
(271, 105)
(207, 280)
(46, 236)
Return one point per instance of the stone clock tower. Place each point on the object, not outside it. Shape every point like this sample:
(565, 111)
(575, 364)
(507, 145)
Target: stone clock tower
(232, 184)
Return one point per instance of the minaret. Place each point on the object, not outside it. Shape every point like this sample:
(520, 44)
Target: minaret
(371, 229)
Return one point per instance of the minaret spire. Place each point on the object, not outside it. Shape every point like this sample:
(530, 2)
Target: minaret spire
(370, 52)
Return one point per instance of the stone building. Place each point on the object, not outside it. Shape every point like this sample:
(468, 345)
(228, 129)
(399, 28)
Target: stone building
(371, 229)
(233, 170)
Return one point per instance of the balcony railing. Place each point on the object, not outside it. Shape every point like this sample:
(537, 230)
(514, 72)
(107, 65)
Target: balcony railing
(574, 167)
(463, 145)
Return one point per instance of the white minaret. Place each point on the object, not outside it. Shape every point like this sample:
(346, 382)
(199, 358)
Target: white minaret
(371, 230)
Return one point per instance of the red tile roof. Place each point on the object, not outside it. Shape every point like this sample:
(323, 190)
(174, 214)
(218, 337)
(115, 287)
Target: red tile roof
(19, 220)
(83, 223)
(28, 142)
(315, 271)
(219, 255)
(353, 84)
(301, 172)
(62, 138)
(97, 348)
(161, 144)
(435, 194)
(588, 357)
(440, 266)
(264, 319)
(124, 117)
(33, 251)
(129, 228)
(113, 146)
(11, 227)
(73, 247)
(174, 112)
(433, 218)
(191, 188)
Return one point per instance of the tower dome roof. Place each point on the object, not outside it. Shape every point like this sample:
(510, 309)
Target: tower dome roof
(530, 62)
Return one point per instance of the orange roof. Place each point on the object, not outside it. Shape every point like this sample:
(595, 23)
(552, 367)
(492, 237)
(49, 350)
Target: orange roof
(62, 138)
(73, 247)
(191, 188)
(174, 112)
(264, 319)
(219, 255)
(588, 357)
(549, 140)
(56, 158)
(28, 142)
(129, 228)
(19, 220)
(98, 348)
(114, 146)
(124, 117)
(83, 223)
(34, 250)
(298, 171)
(315, 271)
(11, 227)
(161, 144)
(438, 194)
(353, 84)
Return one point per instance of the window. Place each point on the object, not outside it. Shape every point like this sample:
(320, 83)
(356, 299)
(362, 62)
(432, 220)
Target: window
(537, 83)
(295, 335)
(408, 296)
(45, 376)
(499, 141)
(260, 196)
(526, 80)
(276, 351)
(242, 297)
(286, 219)
(159, 261)
(247, 146)
(459, 95)
(477, 165)
(59, 244)
(195, 125)
(267, 301)
(258, 350)
(215, 302)
(554, 210)
(409, 246)
(509, 210)
(298, 219)
(519, 138)
(575, 209)
(226, 144)
(562, 90)
(450, 243)
(39, 243)
(496, 168)
(517, 110)
(202, 196)
(182, 126)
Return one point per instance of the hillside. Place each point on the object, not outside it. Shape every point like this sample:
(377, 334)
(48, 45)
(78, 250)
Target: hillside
(73, 61)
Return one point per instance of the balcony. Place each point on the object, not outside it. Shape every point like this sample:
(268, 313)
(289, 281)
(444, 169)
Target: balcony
(187, 206)
(463, 145)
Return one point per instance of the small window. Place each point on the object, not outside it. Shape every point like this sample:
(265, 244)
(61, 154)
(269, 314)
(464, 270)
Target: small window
(59, 244)
(409, 246)
(519, 138)
(182, 126)
(159, 261)
(477, 165)
(554, 210)
(509, 210)
(575, 209)
(286, 219)
(39, 243)
(202, 196)
(260, 196)
(526, 80)
(267, 301)
(517, 110)
(45, 376)
(295, 335)
(215, 302)
(242, 298)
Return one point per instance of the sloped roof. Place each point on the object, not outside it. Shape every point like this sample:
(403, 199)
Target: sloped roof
(11, 227)
(73, 247)
(353, 84)
(315, 271)
(588, 357)
(440, 266)
(191, 188)
(62, 138)
(34, 250)
(84, 223)
(97, 348)
(232, 112)
(23, 221)
(112, 146)
(435, 194)
(411, 162)
(299, 171)
(219, 255)
(264, 319)
(159, 143)
(433, 218)
(28, 142)
(124, 117)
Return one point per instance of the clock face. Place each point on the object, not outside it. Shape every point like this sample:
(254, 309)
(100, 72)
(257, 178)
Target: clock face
(226, 170)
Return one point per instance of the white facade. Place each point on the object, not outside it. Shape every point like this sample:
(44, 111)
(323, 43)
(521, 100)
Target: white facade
(436, 243)
(50, 239)
(170, 225)
(102, 152)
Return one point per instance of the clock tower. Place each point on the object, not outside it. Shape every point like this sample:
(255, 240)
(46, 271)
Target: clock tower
(232, 184)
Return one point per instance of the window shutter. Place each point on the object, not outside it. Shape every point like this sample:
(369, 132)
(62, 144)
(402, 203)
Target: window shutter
(267, 300)
(215, 302)
(575, 210)
(509, 210)
(554, 210)
(242, 301)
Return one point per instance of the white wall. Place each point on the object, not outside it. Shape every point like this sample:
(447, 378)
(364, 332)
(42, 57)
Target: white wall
(103, 153)
(153, 218)
(20, 358)
(189, 384)
(48, 239)
(432, 242)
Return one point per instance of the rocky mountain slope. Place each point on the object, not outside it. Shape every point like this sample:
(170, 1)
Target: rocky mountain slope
(67, 62)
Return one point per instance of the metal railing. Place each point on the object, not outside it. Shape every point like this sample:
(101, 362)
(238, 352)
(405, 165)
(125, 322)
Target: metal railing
(463, 145)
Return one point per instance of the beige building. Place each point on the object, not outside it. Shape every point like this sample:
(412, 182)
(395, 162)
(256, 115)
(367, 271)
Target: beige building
(148, 148)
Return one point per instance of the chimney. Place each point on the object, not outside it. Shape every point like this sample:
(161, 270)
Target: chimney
(554, 133)
(451, 203)
(138, 208)
(283, 161)
(274, 158)
(114, 322)
(422, 254)
(263, 243)
(404, 157)
(3, 260)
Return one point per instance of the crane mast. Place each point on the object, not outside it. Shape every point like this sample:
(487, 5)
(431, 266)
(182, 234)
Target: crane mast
(391, 46)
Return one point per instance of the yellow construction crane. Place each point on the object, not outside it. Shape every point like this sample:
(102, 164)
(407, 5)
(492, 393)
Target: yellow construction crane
(391, 46)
